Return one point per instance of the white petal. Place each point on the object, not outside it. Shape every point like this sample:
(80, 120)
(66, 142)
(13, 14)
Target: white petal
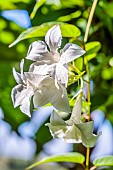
(55, 119)
(44, 69)
(38, 51)
(17, 76)
(22, 71)
(70, 52)
(25, 106)
(38, 63)
(48, 92)
(59, 98)
(15, 94)
(53, 38)
(22, 66)
(77, 109)
(61, 74)
(36, 79)
(21, 96)
(40, 98)
(73, 135)
(57, 131)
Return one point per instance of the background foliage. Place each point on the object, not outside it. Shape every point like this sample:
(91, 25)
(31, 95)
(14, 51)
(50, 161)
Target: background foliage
(99, 51)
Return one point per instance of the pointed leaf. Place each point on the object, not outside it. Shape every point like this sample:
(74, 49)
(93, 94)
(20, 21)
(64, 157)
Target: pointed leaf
(67, 30)
(38, 4)
(104, 161)
(92, 47)
(68, 157)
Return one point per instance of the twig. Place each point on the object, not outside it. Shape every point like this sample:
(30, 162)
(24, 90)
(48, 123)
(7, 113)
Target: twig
(90, 20)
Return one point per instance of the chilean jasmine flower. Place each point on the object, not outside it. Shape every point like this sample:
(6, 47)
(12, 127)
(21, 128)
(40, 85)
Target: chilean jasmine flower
(22, 93)
(73, 130)
(41, 87)
(38, 52)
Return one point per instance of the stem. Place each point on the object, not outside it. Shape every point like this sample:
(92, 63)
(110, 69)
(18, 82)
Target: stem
(88, 89)
(87, 158)
(90, 19)
(87, 70)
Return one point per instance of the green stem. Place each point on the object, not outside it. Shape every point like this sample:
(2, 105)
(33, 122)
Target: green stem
(88, 75)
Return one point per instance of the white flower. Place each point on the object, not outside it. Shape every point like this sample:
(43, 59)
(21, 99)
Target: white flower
(41, 87)
(73, 130)
(38, 52)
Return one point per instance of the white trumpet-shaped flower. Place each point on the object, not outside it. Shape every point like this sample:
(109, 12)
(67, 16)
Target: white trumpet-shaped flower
(41, 87)
(73, 130)
(55, 62)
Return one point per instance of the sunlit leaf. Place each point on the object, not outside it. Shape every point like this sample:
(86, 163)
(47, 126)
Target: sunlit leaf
(92, 47)
(70, 16)
(67, 30)
(6, 4)
(104, 161)
(68, 157)
(71, 3)
(89, 57)
(38, 4)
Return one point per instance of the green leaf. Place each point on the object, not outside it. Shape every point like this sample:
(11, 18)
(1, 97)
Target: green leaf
(104, 161)
(36, 7)
(70, 16)
(108, 7)
(89, 57)
(67, 30)
(92, 47)
(67, 157)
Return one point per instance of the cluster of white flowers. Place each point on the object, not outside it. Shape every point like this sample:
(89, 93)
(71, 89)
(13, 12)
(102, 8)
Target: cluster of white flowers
(47, 78)
(46, 81)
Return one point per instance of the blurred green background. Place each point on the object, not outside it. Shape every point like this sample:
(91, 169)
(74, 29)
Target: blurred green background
(24, 140)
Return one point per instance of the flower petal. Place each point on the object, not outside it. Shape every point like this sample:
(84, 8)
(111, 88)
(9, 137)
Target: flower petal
(61, 74)
(70, 52)
(38, 63)
(73, 135)
(35, 79)
(40, 98)
(22, 66)
(55, 119)
(59, 98)
(44, 69)
(77, 109)
(38, 51)
(53, 38)
(57, 131)
(25, 105)
(17, 76)
(21, 96)
(57, 126)
(15, 94)
(88, 138)
(48, 92)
